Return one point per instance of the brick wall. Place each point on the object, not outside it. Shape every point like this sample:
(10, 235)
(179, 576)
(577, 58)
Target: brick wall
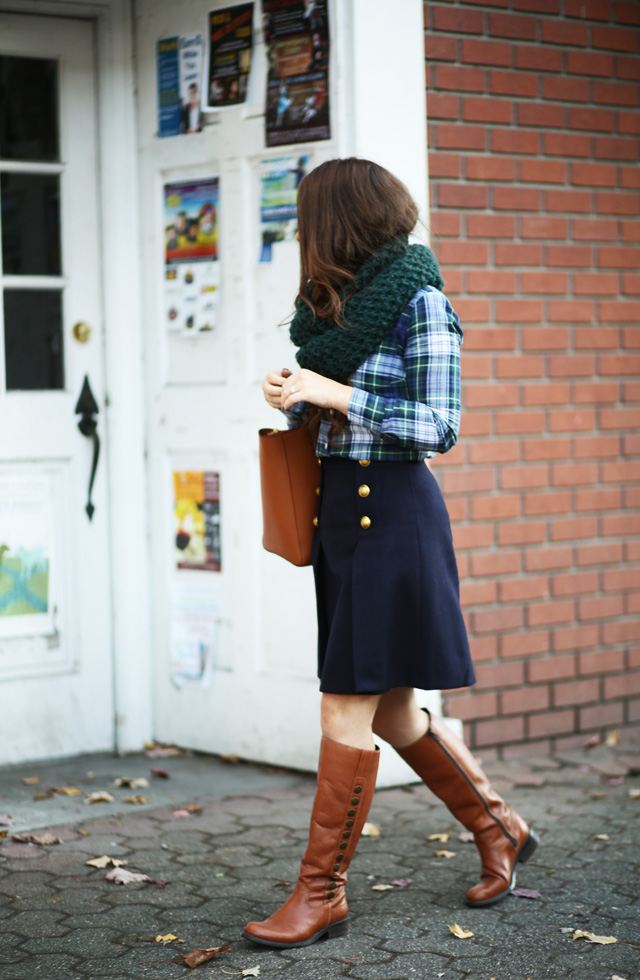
(534, 180)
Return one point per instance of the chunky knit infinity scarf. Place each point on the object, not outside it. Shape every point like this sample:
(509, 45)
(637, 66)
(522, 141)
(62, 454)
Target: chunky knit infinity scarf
(383, 286)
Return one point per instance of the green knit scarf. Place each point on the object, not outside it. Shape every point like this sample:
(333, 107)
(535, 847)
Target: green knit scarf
(384, 285)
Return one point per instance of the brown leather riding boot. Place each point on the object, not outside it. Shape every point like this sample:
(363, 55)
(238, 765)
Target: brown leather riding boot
(318, 905)
(446, 766)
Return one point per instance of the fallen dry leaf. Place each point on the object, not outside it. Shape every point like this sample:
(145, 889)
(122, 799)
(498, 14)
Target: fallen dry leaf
(199, 956)
(3, 834)
(466, 837)
(591, 742)
(31, 780)
(169, 938)
(616, 977)
(612, 739)
(634, 794)
(120, 876)
(401, 882)
(591, 938)
(601, 836)
(43, 839)
(6, 821)
(526, 893)
(444, 854)
(193, 808)
(163, 751)
(370, 830)
(443, 838)
(460, 932)
(180, 813)
(104, 861)
(160, 773)
(252, 971)
(381, 888)
(85, 833)
(232, 760)
(129, 783)
(66, 790)
(134, 799)
(100, 796)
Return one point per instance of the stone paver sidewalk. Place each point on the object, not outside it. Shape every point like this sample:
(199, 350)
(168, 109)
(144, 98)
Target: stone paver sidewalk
(61, 920)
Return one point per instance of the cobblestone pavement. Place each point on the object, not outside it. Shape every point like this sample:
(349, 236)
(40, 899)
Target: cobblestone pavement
(229, 863)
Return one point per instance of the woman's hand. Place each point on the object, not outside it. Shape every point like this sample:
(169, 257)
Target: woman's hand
(307, 386)
(272, 387)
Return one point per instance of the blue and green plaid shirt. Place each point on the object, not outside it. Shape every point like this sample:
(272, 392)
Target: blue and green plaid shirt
(406, 397)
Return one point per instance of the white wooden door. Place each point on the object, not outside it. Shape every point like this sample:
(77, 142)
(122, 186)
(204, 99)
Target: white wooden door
(56, 683)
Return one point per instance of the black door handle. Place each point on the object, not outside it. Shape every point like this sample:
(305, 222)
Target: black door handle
(87, 407)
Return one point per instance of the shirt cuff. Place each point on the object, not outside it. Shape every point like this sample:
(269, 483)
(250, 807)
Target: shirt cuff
(366, 409)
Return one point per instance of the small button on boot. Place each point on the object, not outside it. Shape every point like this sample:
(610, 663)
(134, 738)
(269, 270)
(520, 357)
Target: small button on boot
(446, 766)
(318, 905)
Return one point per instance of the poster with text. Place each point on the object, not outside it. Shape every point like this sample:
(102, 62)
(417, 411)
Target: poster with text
(195, 619)
(197, 520)
(179, 62)
(279, 180)
(297, 39)
(229, 46)
(26, 526)
(191, 267)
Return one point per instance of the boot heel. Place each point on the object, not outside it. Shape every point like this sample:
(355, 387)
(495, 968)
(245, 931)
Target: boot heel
(338, 929)
(528, 847)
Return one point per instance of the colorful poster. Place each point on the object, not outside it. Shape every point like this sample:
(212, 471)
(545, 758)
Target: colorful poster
(195, 619)
(297, 38)
(230, 41)
(179, 73)
(191, 269)
(197, 520)
(279, 181)
(26, 524)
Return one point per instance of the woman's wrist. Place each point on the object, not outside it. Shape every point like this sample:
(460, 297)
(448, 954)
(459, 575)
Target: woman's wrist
(340, 401)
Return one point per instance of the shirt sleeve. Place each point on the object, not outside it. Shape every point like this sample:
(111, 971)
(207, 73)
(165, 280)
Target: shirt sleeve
(298, 415)
(429, 418)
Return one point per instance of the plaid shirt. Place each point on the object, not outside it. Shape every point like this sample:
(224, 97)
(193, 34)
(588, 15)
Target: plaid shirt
(406, 397)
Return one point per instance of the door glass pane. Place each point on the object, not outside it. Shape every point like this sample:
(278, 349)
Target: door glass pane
(28, 108)
(33, 338)
(30, 224)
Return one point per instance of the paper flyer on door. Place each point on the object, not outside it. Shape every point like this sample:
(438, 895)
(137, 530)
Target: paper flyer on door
(179, 68)
(197, 520)
(191, 266)
(279, 180)
(297, 39)
(195, 622)
(26, 538)
(229, 47)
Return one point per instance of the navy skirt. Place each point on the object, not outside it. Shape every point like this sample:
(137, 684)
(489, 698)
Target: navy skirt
(386, 581)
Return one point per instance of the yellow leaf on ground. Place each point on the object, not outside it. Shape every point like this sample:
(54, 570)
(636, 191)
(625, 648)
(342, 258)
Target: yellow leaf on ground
(443, 838)
(601, 836)
(370, 830)
(381, 888)
(460, 932)
(68, 790)
(252, 971)
(100, 796)
(612, 739)
(134, 799)
(169, 938)
(31, 780)
(105, 861)
(591, 938)
(445, 854)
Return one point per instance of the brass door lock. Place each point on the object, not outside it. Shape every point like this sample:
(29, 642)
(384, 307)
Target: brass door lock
(82, 332)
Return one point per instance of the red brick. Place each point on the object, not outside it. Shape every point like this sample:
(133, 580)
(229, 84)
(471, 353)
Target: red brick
(550, 613)
(490, 225)
(544, 283)
(463, 253)
(457, 20)
(513, 83)
(461, 196)
(557, 502)
(596, 608)
(625, 471)
(538, 58)
(545, 338)
(622, 687)
(547, 558)
(618, 364)
(523, 477)
(511, 423)
(631, 337)
(478, 594)
(572, 421)
(483, 648)
(520, 366)
(541, 114)
(523, 532)
(544, 228)
(619, 258)
(442, 106)
(499, 675)
(439, 48)
(571, 311)
(543, 171)
(630, 231)
(518, 311)
(573, 474)
(490, 338)
(574, 528)
(538, 6)
(516, 199)
(620, 312)
(526, 699)
(569, 256)
(489, 168)
(632, 601)
(495, 620)
(551, 668)
(496, 563)
(595, 283)
(444, 165)
(613, 38)
(514, 254)
(473, 310)
(596, 120)
(589, 9)
(551, 723)
(495, 451)
(460, 79)
(486, 52)
(599, 499)
(457, 507)
(628, 122)
(524, 644)
(595, 392)
(601, 662)
(445, 225)
(575, 637)
(630, 283)
(460, 137)
(478, 366)
(523, 589)
(619, 418)
(487, 110)
(575, 583)
(633, 658)
(490, 281)
(617, 580)
(619, 525)
(571, 365)
(514, 141)
(628, 67)
(473, 536)
(477, 424)
(626, 632)
(559, 32)
(575, 692)
(471, 706)
(468, 481)
(546, 448)
(565, 89)
(497, 732)
(589, 63)
(627, 12)
(495, 507)
(599, 554)
(566, 200)
(593, 174)
(601, 716)
(547, 394)
(629, 177)
(513, 26)
(485, 396)
(617, 203)
(632, 551)
(595, 229)
(616, 148)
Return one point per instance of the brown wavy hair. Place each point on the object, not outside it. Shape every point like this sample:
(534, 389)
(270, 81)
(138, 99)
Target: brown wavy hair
(347, 209)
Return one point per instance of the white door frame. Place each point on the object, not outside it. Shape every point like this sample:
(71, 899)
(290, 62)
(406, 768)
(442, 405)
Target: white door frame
(123, 349)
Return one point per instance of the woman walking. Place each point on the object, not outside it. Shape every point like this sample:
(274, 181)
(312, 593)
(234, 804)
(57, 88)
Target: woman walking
(378, 348)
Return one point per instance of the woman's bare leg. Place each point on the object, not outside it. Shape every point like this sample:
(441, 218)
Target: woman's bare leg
(348, 718)
(398, 719)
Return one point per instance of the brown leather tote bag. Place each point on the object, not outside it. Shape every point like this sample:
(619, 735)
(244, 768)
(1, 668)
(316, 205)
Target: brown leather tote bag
(289, 477)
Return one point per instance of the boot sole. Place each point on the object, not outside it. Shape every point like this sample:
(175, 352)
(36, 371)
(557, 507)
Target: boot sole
(331, 932)
(522, 856)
